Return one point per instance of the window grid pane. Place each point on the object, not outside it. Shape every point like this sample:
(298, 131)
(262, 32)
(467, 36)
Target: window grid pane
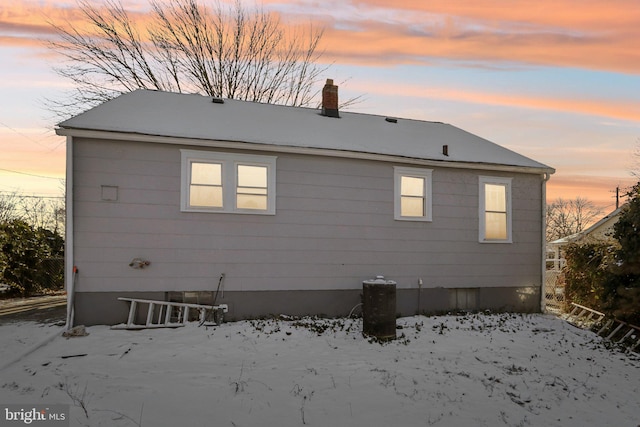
(412, 196)
(205, 189)
(206, 173)
(495, 226)
(244, 201)
(495, 198)
(205, 196)
(412, 206)
(252, 176)
(251, 191)
(496, 219)
(412, 186)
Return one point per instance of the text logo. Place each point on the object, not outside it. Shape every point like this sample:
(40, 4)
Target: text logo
(36, 415)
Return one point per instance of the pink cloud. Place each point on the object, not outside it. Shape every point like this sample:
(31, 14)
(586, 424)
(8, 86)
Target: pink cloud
(614, 109)
(595, 34)
(383, 43)
(599, 190)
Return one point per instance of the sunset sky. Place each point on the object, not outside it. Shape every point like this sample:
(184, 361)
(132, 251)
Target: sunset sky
(555, 80)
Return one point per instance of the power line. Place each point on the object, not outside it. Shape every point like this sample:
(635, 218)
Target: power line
(30, 174)
(32, 196)
(25, 136)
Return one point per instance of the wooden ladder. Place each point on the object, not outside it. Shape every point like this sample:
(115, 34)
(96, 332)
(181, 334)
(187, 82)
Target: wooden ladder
(166, 314)
(584, 316)
(614, 330)
(621, 333)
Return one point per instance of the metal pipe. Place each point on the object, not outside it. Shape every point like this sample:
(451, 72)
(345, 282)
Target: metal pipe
(543, 276)
(70, 269)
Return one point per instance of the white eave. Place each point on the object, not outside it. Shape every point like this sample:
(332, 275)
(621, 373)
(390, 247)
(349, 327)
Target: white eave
(163, 117)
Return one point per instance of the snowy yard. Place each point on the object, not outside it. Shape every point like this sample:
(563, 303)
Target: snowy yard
(472, 370)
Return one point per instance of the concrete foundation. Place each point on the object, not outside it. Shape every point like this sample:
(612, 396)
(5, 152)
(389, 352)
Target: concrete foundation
(103, 308)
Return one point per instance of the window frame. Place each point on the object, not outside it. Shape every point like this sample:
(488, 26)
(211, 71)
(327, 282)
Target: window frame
(482, 183)
(229, 164)
(426, 174)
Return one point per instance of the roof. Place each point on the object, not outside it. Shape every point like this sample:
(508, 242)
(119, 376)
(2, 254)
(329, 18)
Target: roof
(587, 231)
(196, 117)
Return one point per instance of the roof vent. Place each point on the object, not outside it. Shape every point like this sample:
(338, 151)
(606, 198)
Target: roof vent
(445, 150)
(218, 101)
(391, 120)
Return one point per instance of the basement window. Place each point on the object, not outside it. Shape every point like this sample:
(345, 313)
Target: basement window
(463, 299)
(412, 194)
(495, 210)
(228, 183)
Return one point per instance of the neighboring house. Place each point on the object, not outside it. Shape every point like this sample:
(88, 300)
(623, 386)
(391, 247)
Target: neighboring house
(599, 232)
(296, 206)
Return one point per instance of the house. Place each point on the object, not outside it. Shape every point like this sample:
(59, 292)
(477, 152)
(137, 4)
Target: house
(599, 232)
(296, 207)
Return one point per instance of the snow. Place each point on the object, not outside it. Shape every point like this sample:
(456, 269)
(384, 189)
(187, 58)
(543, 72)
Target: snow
(469, 370)
(201, 122)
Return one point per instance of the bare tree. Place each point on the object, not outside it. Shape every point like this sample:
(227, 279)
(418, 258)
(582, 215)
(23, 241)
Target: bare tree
(42, 212)
(567, 217)
(37, 211)
(9, 206)
(227, 51)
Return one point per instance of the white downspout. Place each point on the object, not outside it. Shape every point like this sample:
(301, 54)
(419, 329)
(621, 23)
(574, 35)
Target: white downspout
(543, 301)
(69, 269)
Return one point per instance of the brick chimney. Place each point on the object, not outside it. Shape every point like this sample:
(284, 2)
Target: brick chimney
(330, 99)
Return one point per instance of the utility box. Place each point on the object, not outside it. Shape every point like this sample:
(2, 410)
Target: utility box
(379, 308)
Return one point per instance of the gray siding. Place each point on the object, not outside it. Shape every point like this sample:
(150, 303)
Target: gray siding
(333, 228)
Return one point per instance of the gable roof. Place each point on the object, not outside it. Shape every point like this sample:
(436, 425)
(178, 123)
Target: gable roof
(187, 118)
(605, 223)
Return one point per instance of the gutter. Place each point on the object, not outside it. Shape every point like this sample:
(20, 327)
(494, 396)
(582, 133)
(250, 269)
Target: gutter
(543, 282)
(330, 152)
(69, 268)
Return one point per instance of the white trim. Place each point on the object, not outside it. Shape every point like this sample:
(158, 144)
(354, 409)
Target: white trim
(506, 182)
(229, 164)
(124, 136)
(543, 241)
(398, 173)
(69, 241)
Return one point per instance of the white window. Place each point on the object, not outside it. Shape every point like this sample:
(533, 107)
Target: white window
(495, 210)
(228, 183)
(412, 194)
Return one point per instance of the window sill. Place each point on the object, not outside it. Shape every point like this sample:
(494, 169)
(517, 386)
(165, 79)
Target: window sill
(239, 212)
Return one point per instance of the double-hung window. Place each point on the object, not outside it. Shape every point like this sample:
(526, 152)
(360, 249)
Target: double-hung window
(228, 183)
(412, 194)
(495, 210)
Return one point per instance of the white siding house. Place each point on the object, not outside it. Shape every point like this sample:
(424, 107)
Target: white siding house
(296, 208)
(599, 232)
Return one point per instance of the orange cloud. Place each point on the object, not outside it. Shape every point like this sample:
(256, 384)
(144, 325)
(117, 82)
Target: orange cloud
(28, 152)
(619, 110)
(599, 190)
(27, 23)
(574, 33)
(595, 34)
(381, 43)
(577, 14)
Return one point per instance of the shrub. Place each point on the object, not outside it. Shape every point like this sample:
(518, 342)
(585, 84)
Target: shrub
(22, 250)
(604, 276)
(586, 274)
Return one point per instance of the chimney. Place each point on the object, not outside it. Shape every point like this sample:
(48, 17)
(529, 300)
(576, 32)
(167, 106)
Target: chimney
(330, 99)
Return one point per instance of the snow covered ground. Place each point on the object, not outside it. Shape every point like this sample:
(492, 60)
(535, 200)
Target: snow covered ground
(471, 370)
